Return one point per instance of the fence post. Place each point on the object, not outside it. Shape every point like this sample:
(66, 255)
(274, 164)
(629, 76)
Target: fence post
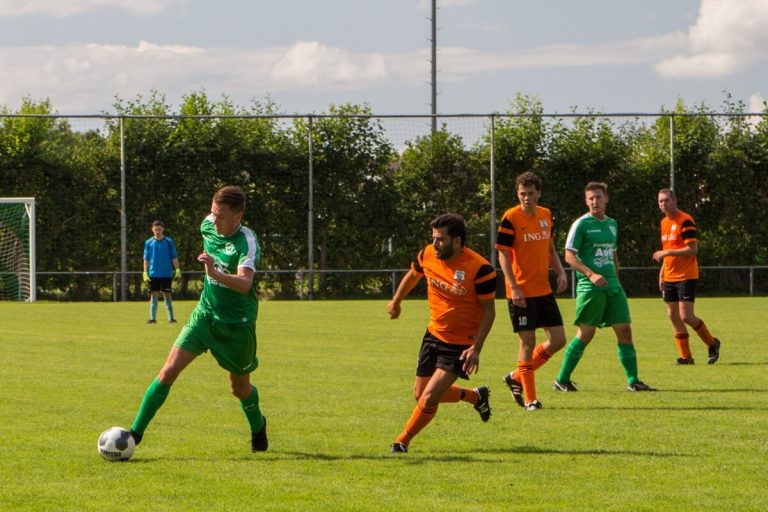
(310, 214)
(672, 152)
(751, 281)
(493, 194)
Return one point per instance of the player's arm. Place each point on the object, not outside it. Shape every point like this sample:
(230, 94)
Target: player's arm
(471, 356)
(240, 282)
(505, 262)
(691, 249)
(573, 260)
(556, 265)
(408, 283)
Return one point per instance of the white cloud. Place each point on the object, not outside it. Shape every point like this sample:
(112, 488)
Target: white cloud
(311, 63)
(67, 8)
(728, 36)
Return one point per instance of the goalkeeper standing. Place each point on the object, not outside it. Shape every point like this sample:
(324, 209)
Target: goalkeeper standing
(161, 265)
(224, 320)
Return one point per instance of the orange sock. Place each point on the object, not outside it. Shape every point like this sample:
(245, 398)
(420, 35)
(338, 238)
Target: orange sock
(704, 333)
(528, 379)
(540, 356)
(420, 418)
(455, 393)
(681, 340)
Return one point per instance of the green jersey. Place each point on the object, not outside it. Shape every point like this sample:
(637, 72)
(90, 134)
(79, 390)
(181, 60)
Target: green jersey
(594, 242)
(241, 249)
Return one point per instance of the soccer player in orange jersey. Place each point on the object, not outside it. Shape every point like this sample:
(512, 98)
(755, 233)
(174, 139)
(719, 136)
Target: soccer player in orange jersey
(526, 253)
(678, 276)
(461, 287)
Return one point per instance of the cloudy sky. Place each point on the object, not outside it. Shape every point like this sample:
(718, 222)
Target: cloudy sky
(603, 55)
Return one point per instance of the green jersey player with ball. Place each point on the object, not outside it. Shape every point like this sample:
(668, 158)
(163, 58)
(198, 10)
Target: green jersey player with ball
(224, 319)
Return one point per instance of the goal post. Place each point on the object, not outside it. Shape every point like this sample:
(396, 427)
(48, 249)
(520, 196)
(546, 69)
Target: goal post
(17, 249)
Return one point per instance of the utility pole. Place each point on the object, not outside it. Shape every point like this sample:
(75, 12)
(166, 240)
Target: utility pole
(434, 66)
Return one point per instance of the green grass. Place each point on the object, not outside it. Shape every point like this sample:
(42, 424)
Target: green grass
(335, 381)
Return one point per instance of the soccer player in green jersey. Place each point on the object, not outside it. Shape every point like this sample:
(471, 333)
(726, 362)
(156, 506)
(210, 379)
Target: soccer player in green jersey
(590, 249)
(224, 319)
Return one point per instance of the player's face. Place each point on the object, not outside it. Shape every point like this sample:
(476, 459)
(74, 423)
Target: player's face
(224, 219)
(158, 231)
(528, 197)
(667, 203)
(596, 201)
(445, 245)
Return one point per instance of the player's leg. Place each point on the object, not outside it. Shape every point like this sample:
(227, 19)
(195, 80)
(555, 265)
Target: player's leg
(249, 400)
(168, 300)
(671, 296)
(590, 307)
(698, 325)
(625, 350)
(681, 333)
(154, 297)
(426, 408)
(525, 369)
(155, 396)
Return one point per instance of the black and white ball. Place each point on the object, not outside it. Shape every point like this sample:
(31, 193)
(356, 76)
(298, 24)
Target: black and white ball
(116, 443)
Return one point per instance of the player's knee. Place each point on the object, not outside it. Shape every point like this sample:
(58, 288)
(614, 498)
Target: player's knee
(240, 390)
(168, 375)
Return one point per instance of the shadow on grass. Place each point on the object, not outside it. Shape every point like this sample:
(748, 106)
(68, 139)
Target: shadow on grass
(535, 450)
(670, 408)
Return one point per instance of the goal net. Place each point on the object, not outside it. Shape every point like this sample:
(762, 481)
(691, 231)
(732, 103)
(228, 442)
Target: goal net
(17, 249)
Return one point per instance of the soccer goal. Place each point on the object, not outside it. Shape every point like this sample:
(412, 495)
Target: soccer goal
(17, 249)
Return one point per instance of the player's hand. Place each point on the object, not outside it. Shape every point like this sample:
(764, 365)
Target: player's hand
(471, 360)
(145, 277)
(658, 256)
(393, 308)
(518, 299)
(562, 282)
(598, 280)
(177, 273)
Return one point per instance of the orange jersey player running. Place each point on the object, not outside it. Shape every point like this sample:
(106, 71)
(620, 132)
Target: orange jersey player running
(461, 287)
(678, 276)
(526, 253)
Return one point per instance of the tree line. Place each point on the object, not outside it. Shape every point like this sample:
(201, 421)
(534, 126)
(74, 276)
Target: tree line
(372, 201)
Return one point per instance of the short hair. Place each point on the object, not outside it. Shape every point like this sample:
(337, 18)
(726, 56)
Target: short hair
(454, 224)
(527, 179)
(232, 196)
(596, 185)
(669, 192)
(157, 223)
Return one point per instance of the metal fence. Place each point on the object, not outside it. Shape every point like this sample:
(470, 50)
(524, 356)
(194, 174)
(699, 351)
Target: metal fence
(400, 129)
(748, 280)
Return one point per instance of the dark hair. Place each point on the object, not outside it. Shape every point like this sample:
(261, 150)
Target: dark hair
(527, 179)
(232, 196)
(157, 223)
(596, 185)
(454, 224)
(669, 192)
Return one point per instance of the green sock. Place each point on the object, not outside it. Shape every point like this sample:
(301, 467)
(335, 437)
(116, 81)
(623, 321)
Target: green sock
(628, 360)
(252, 412)
(153, 400)
(572, 356)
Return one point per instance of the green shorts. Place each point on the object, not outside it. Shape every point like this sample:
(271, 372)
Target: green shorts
(602, 308)
(233, 346)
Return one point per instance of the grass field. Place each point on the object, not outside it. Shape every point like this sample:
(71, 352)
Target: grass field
(335, 382)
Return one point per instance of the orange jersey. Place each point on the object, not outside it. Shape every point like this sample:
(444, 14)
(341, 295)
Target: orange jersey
(527, 240)
(454, 292)
(677, 233)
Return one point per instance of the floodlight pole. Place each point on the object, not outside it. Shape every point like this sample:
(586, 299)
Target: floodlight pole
(434, 66)
(123, 221)
(310, 215)
(672, 153)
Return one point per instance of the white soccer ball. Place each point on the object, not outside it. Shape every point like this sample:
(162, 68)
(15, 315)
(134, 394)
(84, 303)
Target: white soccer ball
(116, 443)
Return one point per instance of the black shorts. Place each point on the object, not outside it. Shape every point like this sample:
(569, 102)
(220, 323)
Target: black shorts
(160, 284)
(680, 291)
(538, 312)
(435, 354)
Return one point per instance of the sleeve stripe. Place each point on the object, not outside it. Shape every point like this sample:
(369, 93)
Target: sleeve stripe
(505, 239)
(688, 235)
(487, 287)
(416, 265)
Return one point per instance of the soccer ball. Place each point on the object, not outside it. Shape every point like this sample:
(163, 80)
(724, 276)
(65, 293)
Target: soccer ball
(116, 443)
